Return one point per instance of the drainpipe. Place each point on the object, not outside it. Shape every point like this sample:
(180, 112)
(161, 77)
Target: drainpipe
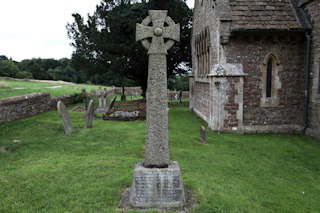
(306, 95)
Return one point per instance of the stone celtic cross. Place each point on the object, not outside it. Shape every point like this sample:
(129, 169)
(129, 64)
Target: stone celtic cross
(157, 152)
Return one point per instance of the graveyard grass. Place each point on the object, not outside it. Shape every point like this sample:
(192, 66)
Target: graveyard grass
(9, 88)
(44, 170)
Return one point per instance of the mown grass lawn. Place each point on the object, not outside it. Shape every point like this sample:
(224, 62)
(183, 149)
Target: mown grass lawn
(43, 170)
(15, 88)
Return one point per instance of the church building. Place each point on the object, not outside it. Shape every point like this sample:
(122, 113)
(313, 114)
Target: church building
(256, 65)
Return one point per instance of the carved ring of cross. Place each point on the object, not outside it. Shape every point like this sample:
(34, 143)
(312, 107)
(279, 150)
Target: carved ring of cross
(158, 32)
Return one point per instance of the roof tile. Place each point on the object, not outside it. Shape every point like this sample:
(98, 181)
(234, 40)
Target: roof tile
(264, 14)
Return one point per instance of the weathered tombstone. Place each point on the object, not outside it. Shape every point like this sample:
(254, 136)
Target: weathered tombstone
(137, 94)
(157, 182)
(131, 95)
(203, 134)
(112, 102)
(85, 99)
(93, 92)
(100, 99)
(180, 96)
(123, 96)
(176, 97)
(89, 115)
(64, 115)
(105, 97)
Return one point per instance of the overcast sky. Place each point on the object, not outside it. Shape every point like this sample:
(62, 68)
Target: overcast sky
(37, 28)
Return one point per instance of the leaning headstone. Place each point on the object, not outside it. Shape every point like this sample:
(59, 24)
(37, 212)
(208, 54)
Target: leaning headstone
(157, 182)
(85, 99)
(104, 97)
(203, 134)
(112, 102)
(100, 98)
(64, 115)
(89, 115)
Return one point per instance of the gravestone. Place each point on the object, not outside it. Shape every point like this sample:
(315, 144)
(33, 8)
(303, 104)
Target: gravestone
(131, 96)
(93, 92)
(85, 99)
(64, 115)
(112, 102)
(89, 115)
(203, 134)
(180, 96)
(100, 99)
(104, 97)
(157, 182)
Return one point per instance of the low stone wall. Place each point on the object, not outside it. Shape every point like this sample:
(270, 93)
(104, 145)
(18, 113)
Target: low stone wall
(23, 106)
(118, 90)
(185, 94)
(128, 90)
(134, 90)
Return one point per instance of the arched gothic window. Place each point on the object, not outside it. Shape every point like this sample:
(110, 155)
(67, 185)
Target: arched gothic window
(270, 83)
(202, 44)
(269, 79)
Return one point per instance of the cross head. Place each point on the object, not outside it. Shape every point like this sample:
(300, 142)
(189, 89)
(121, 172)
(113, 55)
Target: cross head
(158, 32)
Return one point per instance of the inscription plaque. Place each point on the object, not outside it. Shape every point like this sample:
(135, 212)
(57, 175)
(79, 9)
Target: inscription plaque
(155, 187)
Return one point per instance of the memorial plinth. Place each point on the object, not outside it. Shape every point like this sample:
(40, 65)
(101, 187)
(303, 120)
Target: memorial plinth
(157, 188)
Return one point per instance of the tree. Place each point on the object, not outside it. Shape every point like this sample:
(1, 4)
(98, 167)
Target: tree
(3, 57)
(64, 71)
(33, 66)
(26, 75)
(8, 68)
(106, 42)
(178, 82)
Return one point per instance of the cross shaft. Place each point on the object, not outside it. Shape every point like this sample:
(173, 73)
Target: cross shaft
(157, 151)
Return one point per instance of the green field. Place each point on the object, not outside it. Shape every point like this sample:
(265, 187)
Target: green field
(44, 170)
(9, 88)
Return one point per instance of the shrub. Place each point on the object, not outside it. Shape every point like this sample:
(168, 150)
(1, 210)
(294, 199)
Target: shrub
(4, 85)
(23, 74)
(8, 68)
(78, 98)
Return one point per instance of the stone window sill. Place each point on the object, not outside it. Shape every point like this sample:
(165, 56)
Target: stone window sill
(202, 80)
(269, 102)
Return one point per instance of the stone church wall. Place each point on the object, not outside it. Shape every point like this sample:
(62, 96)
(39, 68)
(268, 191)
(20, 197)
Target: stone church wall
(313, 127)
(251, 52)
(231, 106)
(201, 99)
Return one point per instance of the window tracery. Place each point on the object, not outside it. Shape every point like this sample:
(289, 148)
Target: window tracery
(202, 43)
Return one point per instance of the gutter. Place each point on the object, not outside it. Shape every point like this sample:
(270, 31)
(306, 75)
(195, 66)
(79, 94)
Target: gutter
(268, 30)
(306, 93)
